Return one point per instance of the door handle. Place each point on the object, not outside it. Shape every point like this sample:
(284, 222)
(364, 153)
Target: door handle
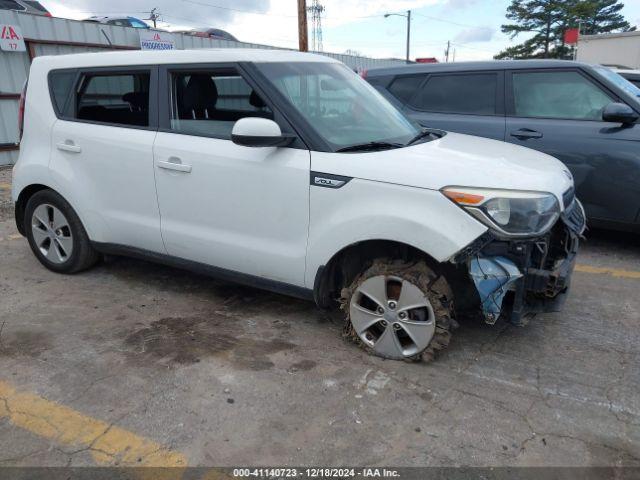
(175, 165)
(525, 133)
(68, 146)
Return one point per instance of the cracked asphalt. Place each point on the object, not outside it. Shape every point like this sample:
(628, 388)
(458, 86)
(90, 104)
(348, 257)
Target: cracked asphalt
(134, 363)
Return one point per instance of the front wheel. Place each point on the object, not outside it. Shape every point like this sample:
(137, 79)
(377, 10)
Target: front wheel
(56, 235)
(399, 310)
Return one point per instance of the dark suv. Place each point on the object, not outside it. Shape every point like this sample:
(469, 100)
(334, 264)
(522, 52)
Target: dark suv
(584, 115)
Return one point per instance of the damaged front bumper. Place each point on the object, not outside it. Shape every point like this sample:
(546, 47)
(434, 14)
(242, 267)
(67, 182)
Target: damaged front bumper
(517, 278)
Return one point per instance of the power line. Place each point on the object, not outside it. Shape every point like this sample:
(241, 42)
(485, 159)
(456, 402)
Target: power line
(255, 12)
(437, 19)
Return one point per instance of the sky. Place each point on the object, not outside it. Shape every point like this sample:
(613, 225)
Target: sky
(472, 26)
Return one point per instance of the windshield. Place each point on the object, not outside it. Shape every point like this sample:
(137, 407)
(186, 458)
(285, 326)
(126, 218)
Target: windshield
(342, 108)
(619, 80)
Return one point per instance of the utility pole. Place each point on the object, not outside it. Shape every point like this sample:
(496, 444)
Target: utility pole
(303, 42)
(408, 17)
(154, 16)
(446, 52)
(575, 49)
(408, 33)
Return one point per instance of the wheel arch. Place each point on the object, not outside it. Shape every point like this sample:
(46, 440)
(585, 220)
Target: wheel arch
(345, 265)
(21, 203)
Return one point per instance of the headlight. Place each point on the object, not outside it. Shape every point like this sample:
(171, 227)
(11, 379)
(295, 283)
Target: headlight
(509, 212)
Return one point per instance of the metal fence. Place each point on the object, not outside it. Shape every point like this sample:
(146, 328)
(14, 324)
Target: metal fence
(58, 36)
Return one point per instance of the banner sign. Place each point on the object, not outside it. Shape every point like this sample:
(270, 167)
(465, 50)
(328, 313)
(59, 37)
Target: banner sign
(571, 36)
(153, 40)
(11, 39)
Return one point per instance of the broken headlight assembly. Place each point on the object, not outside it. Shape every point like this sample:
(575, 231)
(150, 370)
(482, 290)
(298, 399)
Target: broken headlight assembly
(509, 213)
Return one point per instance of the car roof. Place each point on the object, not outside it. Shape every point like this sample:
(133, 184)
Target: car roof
(626, 71)
(201, 55)
(472, 66)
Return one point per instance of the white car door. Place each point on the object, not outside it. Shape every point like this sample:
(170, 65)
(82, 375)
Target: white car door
(237, 208)
(102, 154)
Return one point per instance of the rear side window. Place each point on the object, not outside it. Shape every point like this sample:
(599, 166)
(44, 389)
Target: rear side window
(61, 84)
(120, 99)
(473, 94)
(10, 5)
(566, 95)
(403, 88)
(209, 103)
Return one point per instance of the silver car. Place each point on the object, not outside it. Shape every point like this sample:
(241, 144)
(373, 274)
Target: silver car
(26, 6)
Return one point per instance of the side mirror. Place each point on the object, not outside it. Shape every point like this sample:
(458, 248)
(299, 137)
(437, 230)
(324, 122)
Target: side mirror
(619, 113)
(259, 132)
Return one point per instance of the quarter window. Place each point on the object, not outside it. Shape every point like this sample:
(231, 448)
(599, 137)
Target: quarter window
(566, 95)
(61, 86)
(209, 103)
(473, 94)
(121, 99)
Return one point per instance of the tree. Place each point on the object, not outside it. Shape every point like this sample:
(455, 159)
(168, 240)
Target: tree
(600, 16)
(540, 17)
(547, 20)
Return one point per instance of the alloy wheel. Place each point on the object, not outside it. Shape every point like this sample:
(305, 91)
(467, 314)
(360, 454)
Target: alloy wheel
(392, 316)
(52, 233)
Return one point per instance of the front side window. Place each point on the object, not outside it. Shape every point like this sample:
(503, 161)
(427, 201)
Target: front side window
(339, 105)
(471, 94)
(121, 99)
(566, 95)
(210, 103)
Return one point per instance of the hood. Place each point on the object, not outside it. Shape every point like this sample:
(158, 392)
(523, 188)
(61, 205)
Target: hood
(454, 160)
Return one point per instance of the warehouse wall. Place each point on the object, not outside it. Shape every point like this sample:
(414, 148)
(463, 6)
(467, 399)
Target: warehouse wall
(611, 49)
(52, 36)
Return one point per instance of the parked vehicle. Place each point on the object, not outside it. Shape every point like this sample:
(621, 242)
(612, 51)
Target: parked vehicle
(632, 75)
(214, 33)
(584, 115)
(119, 21)
(26, 6)
(288, 172)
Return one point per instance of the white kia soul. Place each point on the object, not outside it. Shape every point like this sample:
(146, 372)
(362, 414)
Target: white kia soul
(287, 171)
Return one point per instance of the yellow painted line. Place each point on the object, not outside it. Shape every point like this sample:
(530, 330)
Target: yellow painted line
(15, 236)
(5, 186)
(614, 272)
(108, 444)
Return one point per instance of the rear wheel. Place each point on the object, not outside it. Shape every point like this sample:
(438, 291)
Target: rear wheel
(56, 235)
(399, 310)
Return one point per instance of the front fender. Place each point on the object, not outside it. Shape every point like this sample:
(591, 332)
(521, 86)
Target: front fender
(367, 210)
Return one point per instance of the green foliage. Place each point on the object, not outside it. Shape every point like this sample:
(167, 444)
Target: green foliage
(547, 20)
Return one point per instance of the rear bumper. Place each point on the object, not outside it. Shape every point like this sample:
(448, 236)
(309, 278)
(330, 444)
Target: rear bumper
(516, 279)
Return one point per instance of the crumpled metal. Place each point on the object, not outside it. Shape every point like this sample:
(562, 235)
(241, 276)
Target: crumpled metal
(492, 277)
